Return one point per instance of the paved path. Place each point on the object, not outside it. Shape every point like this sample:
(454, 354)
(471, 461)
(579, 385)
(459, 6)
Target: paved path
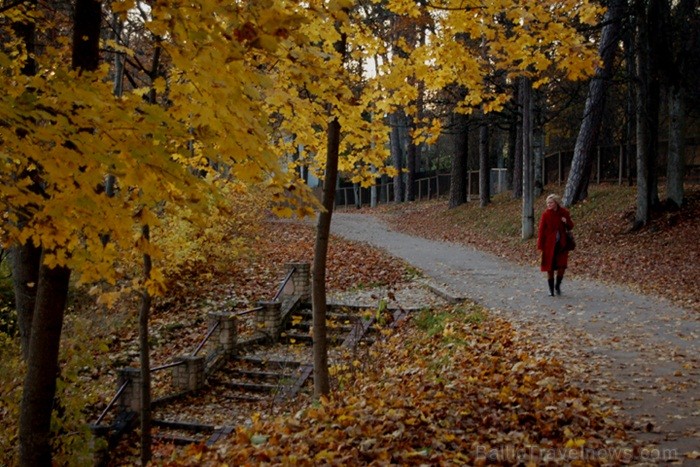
(647, 348)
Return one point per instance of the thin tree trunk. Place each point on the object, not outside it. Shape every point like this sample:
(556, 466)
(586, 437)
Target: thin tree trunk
(26, 260)
(518, 153)
(584, 151)
(118, 88)
(411, 156)
(676, 166)
(458, 178)
(145, 311)
(320, 345)
(318, 275)
(537, 142)
(528, 205)
(630, 105)
(484, 166)
(538, 158)
(510, 164)
(373, 195)
(144, 354)
(397, 155)
(42, 367)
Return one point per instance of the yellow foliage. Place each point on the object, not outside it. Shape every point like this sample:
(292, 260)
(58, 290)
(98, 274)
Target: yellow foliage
(251, 88)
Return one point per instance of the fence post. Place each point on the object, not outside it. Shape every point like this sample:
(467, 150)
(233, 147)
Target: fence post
(99, 444)
(268, 320)
(130, 400)
(189, 375)
(300, 283)
(620, 156)
(223, 340)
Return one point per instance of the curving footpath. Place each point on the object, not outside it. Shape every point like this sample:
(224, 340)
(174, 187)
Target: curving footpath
(646, 350)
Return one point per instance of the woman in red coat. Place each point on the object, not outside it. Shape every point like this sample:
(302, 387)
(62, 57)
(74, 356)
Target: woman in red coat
(551, 241)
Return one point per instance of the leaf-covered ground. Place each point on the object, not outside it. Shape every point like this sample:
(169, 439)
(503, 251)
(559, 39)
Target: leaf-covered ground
(450, 386)
(458, 386)
(661, 258)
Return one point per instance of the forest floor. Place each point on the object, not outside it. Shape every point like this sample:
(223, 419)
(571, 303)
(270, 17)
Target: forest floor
(643, 349)
(400, 394)
(457, 384)
(394, 399)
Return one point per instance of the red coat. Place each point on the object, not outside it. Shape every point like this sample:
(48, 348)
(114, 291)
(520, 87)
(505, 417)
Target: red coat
(551, 224)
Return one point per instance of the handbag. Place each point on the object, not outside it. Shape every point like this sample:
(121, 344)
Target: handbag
(570, 241)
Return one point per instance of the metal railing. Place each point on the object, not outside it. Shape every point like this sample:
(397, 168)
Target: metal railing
(206, 338)
(284, 283)
(199, 347)
(114, 400)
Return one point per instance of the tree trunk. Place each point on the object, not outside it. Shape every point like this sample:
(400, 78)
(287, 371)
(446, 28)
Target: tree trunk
(518, 152)
(648, 96)
(684, 15)
(484, 166)
(676, 165)
(396, 141)
(537, 142)
(86, 33)
(458, 179)
(118, 88)
(528, 211)
(26, 260)
(411, 157)
(630, 105)
(44, 343)
(538, 157)
(42, 367)
(323, 229)
(510, 164)
(373, 192)
(320, 345)
(584, 151)
(144, 353)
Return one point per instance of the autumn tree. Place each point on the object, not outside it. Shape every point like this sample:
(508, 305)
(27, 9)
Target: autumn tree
(25, 258)
(472, 43)
(351, 142)
(74, 131)
(648, 45)
(682, 67)
(584, 151)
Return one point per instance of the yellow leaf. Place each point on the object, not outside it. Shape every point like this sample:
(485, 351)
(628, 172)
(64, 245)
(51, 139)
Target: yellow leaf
(575, 443)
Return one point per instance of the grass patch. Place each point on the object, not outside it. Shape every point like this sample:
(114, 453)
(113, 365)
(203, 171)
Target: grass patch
(434, 322)
(431, 322)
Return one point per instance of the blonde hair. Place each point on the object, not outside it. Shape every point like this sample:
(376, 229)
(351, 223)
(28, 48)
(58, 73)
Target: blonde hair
(554, 198)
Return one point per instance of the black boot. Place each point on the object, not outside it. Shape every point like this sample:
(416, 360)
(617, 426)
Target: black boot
(558, 284)
(551, 287)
